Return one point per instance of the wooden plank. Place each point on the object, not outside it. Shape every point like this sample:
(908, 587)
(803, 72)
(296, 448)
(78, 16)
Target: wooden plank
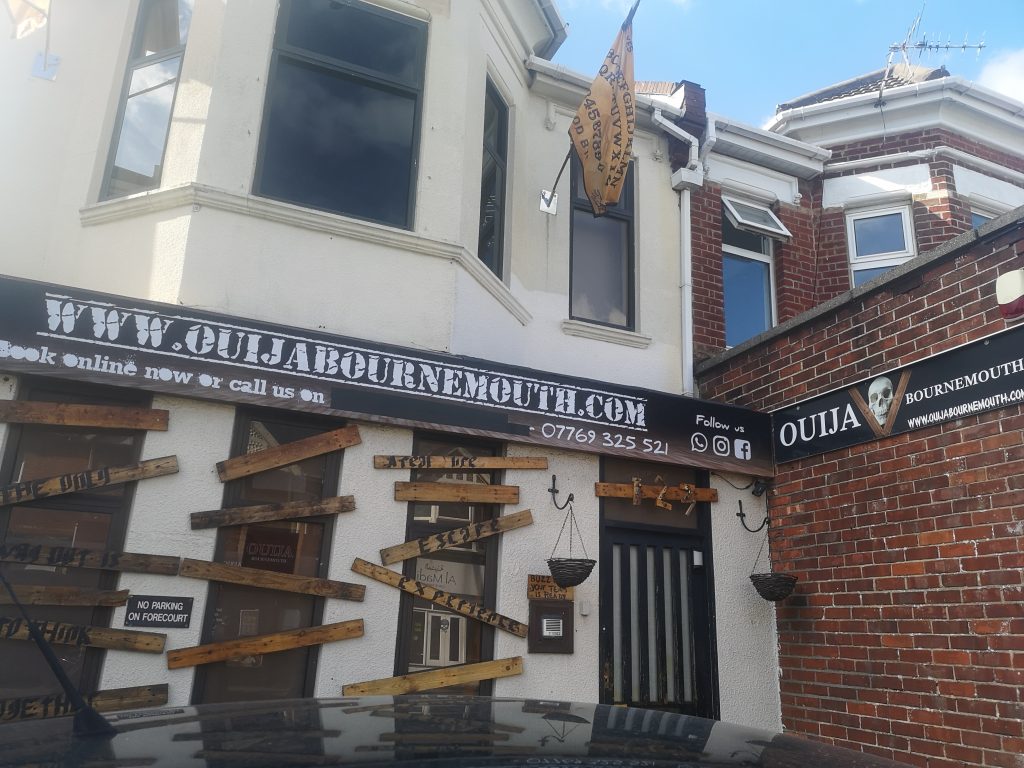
(455, 537)
(683, 492)
(445, 599)
(289, 453)
(78, 415)
(257, 577)
(30, 490)
(439, 678)
(72, 557)
(269, 643)
(262, 513)
(112, 700)
(473, 493)
(539, 587)
(61, 633)
(459, 462)
(32, 595)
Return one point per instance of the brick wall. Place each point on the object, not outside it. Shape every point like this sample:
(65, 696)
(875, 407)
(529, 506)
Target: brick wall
(923, 139)
(708, 301)
(905, 636)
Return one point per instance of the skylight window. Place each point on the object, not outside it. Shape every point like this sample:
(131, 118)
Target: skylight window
(754, 217)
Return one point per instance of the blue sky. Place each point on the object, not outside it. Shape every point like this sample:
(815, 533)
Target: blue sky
(753, 54)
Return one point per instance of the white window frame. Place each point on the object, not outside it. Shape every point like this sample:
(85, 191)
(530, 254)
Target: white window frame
(764, 258)
(888, 259)
(776, 229)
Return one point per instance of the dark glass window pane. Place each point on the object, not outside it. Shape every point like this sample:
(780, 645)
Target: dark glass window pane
(492, 186)
(432, 636)
(492, 193)
(337, 144)
(861, 276)
(283, 547)
(879, 234)
(90, 519)
(752, 215)
(357, 35)
(139, 155)
(163, 26)
(747, 290)
(741, 238)
(600, 269)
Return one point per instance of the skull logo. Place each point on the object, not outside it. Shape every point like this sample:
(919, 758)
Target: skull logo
(880, 399)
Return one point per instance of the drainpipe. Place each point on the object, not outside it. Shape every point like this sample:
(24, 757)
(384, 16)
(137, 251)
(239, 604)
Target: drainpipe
(683, 181)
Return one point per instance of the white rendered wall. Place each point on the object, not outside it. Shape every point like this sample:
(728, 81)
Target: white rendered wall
(199, 434)
(748, 650)
(525, 551)
(844, 191)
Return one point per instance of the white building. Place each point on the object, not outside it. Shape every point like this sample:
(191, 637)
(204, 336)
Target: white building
(197, 189)
(274, 221)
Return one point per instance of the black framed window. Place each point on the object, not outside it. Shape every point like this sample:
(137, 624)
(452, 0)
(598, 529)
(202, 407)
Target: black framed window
(492, 185)
(144, 115)
(601, 272)
(298, 547)
(430, 636)
(341, 119)
(96, 519)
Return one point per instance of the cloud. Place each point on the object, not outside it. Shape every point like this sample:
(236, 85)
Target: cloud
(1005, 73)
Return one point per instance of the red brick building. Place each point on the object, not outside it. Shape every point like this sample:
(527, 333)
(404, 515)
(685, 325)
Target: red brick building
(905, 634)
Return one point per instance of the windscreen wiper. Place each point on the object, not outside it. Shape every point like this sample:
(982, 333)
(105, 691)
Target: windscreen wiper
(88, 722)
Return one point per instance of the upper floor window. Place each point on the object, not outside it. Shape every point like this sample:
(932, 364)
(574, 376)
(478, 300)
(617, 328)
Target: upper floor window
(341, 119)
(601, 264)
(144, 114)
(978, 218)
(492, 185)
(748, 282)
(878, 241)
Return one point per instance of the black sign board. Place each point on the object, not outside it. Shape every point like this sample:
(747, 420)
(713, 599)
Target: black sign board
(272, 549)
(977, 377)
(158, 611)
(79, 334)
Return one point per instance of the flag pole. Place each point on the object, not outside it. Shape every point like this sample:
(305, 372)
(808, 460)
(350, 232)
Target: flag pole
(549, 198)
(629, 18)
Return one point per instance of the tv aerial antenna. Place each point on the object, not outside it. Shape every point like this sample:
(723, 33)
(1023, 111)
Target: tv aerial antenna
(921, 46)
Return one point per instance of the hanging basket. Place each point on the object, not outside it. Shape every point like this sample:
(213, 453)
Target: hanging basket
(774, 586)
(570, 571)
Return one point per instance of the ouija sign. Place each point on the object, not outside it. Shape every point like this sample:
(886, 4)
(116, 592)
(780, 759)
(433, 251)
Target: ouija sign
(83, 335)
(977, 377)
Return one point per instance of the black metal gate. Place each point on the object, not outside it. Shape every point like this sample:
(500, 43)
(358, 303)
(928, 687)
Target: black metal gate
(656, 634)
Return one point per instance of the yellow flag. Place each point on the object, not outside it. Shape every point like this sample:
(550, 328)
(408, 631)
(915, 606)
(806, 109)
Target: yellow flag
(602, 131)
(27, 16)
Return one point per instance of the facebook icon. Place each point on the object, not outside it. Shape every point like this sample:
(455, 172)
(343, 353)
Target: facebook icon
(741, 449)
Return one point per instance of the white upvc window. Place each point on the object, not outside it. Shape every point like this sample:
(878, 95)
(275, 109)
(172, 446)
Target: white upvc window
(748, 282)
(879, 239)
(754, 217)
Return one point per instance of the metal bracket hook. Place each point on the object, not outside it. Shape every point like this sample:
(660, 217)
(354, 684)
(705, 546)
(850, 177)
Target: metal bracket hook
(743, 520)
(553, 490)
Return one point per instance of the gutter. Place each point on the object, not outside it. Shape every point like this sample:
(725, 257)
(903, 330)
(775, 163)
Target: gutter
(556, 24)
(914, 91)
